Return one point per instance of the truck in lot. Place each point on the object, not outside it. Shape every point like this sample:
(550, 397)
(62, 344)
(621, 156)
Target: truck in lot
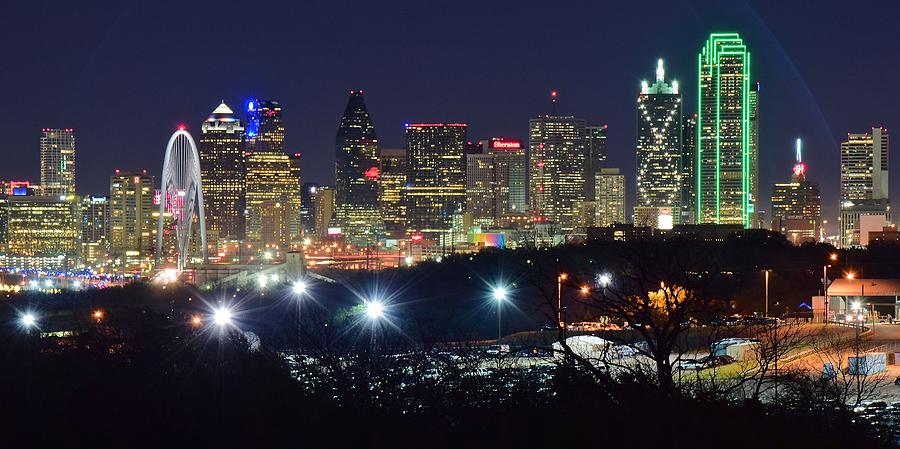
(741, 349)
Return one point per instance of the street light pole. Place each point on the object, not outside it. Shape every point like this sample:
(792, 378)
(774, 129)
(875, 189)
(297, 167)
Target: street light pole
(559, 280)
(499, 296)
(767, 294)
(499, 328)
(825, 291)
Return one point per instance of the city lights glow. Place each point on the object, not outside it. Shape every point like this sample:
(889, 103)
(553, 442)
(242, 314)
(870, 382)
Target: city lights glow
(500, 293)
(299, 287)
(374, 309)
(222, 316)
(28, 320)
(604, 279)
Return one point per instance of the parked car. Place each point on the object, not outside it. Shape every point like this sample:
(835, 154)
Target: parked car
(691, 364)
(718, 360)
(733, 320)
(710, 361)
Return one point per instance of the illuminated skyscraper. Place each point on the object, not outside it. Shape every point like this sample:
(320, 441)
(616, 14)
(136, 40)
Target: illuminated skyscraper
(265, 129)
(95, 218)
(95, 230)
(595, 156)
(271, 191)
(797, 205)
(557, 163)
(509, 173)
(222, 169)
(323, 201)
(295, 226)
(726, 132)
(659, 153)
(495, 182)
(864, 166)
(132, 219)
(357, 173)
(272, 180)
(610, 198)
(753, 100)
(57, 162)
(391, 184)
(688, 171)
(42, 232)
(480, 189)
(435, 177)
(865, 203)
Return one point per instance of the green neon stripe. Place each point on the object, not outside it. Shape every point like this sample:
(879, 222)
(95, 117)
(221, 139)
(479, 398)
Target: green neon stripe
(698, 168)
(718, 76)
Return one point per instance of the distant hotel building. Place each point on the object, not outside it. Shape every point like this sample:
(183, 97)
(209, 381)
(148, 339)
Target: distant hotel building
(727, 134)
(133, 214)
(391, 184)
(57, 162)
(495, 182)
(557, 148)
(222, 169)
(357, 173)
(659, 153)
(610, 199)
(797, 206)
(510, 168)
(865, 204)
(435, 178)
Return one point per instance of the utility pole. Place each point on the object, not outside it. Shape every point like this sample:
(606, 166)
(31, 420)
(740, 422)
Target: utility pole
(767, 294)
(825, 291)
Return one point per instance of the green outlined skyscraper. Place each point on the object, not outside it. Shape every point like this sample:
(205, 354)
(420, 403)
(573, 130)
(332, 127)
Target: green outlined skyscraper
(726, 135)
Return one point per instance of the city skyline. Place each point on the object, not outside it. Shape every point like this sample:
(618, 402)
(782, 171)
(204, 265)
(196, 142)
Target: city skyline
(823, 104)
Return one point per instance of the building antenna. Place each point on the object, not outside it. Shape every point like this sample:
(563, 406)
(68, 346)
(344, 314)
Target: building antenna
(799, 150)
(554, 95)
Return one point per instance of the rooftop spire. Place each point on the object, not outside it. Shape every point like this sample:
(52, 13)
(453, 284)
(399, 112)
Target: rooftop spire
(799, 166)
(554, 95)
(660, 71)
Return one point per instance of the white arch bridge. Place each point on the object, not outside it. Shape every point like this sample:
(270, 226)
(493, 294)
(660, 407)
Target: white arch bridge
(181, 195)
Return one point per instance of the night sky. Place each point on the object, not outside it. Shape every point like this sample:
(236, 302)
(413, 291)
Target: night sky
(125, 74)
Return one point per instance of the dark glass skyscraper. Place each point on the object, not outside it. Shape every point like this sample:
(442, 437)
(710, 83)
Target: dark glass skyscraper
(308, 209)
(595, 157)
(688, 172)
(222, 167)
(357, 173)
